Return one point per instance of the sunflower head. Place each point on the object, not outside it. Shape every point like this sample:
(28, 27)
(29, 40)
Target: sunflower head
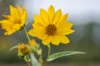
(15, 21)
(51, 27)
(22, 49)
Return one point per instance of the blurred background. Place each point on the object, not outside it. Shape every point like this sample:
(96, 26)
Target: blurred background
(84, 14)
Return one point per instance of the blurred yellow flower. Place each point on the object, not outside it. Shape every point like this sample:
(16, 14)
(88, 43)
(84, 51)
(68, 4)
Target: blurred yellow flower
(51, 27)
(32, 43)
(15, 21)
(22, 49)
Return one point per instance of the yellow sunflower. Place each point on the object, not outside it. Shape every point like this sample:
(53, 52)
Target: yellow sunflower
(15, 21)
(22, 49)
(51, 27)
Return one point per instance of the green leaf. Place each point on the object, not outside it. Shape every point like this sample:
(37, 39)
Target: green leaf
(13, 47)
(62, 54)
(34, 61)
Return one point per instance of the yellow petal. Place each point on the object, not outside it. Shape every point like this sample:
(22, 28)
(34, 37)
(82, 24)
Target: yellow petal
(57, 17)
(44, 16)
(23, 14)
(22, 23)
(33, 33)
(12, 10)
(51, 13)
(9, 32)
(65, 31)
(40, 33)
(5, 24)
(38, 25)
(56, 40)
(32, 43)
(65, 25)
(7, 16)
(69, 24)
(18, 8)
(47, 40)
(63, 19)
(16, 27)
(64, 40)
(37, 19)
(15, 11)
(69, 31)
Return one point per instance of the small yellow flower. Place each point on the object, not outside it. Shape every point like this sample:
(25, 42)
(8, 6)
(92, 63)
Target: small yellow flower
(22, 49)
(51, 27)
(15, 21)
(32, 43)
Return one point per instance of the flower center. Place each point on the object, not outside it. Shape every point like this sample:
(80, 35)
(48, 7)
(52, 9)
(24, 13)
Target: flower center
(17, 21)
(23, 49)
(51, 29)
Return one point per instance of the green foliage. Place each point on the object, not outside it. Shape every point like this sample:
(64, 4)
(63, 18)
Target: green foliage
(34, 61)
(62, 54)
(20, 54)
(26, 58)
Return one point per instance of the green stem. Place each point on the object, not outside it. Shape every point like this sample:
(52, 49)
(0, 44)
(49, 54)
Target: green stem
(41, 59)
(35, 63)
(49, 50)
(27, 34)
(28, 63)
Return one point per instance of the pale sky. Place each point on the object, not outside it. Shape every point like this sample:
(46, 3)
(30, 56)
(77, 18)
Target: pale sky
(80, 11)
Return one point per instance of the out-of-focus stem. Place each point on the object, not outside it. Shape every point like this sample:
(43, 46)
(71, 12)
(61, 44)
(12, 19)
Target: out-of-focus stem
(42, 62)
(28, 63)
(26, 34)
(49, 50)
(41, 59)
